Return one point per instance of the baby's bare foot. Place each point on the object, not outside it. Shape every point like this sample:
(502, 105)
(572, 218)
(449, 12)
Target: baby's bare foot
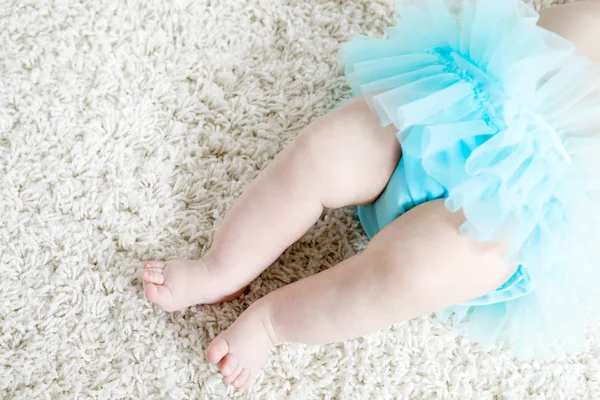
(241, 351)
(177, 284)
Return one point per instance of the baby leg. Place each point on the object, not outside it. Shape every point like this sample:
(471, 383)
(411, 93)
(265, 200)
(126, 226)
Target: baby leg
(418, 264)
(578, 22)
(344, 158)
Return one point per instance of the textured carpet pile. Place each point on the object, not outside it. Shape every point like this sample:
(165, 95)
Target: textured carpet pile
(127, 129)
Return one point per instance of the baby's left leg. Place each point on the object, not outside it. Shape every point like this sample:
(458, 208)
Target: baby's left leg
(418, 264)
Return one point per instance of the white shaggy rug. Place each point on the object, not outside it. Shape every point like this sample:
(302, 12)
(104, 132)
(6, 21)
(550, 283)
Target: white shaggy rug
(127, 128)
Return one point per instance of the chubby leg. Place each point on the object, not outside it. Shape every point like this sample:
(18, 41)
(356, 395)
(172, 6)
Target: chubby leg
(344, 158)
(578, 22)
(418, 264)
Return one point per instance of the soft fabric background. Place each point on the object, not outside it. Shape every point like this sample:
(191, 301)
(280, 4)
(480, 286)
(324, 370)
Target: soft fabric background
(127, 128)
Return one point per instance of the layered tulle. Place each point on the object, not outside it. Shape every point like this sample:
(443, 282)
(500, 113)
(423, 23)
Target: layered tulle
(503, 119)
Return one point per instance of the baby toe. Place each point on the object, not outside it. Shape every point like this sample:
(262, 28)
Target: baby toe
(241, 380)
(159, 295)
(153, 277)
(228, 364)
(155, 264)
(217, 349)
(248, 383)
(234, 375)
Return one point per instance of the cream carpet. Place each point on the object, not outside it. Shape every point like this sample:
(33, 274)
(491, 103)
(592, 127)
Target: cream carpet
(127, 128)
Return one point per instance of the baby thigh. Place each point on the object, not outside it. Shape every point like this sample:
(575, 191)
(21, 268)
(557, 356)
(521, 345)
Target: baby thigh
(435, 264)
(579, 22)
(418, 264)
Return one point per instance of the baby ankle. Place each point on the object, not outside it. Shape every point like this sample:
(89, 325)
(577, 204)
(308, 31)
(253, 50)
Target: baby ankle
(211, 264)
(264, 314)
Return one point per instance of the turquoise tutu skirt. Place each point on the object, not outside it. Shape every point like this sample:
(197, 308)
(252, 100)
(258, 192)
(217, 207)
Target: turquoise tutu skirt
(502, 119)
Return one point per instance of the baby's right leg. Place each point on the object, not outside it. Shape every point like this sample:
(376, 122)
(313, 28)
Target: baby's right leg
(344, 158)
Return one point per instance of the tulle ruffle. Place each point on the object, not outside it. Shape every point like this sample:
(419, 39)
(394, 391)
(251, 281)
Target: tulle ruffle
(506, 119)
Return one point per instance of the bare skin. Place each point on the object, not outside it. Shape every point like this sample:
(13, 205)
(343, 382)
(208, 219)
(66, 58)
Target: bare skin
(281, 205)
(398, 276)
(583, 32)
